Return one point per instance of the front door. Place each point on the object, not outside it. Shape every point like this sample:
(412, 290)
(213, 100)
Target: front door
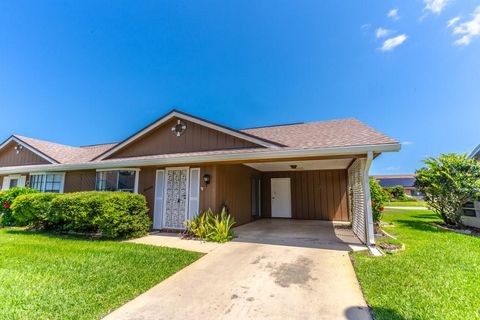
(281, 198)
(176, 198)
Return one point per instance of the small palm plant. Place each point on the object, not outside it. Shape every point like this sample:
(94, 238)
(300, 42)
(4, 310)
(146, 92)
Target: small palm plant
(211, 227)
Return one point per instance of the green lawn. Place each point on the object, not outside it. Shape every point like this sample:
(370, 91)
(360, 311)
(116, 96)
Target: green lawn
(48, 277)
(436, 277)
(406, 204)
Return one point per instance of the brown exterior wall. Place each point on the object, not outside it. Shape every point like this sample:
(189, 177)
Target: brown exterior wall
(234, 190)
(9, 157)
(195, 138)
(316, 194)
(79, 181)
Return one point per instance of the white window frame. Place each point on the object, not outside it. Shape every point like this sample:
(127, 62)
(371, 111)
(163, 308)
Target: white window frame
(19, 177)
(62, 181)
(137, 176)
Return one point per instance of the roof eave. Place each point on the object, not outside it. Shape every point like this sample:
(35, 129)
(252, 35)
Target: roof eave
(240, 156)
(29, 147)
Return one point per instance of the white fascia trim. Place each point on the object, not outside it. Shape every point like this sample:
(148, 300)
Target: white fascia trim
(474, 152)
(119, 169)
(25, 145)
(241, 156)
(191, 119)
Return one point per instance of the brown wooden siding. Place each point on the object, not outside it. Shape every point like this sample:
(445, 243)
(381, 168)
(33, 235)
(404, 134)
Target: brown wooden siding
(195, 138)
(76, 181)
(9, 156)
(234, 183)
(316, 194)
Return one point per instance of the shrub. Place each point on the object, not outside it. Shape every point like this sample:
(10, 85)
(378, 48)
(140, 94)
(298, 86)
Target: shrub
(379, 197)
(123, 215)
(33, 209)
(112, 214)
(6, 200)
(447, 182)
(397, 192)
(212, 227)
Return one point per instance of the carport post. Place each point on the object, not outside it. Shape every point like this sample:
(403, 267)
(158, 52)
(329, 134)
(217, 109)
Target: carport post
(368, 201)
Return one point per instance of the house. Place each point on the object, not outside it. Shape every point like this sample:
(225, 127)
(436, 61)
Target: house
(184, 164)
(471, 210)
(407, 181)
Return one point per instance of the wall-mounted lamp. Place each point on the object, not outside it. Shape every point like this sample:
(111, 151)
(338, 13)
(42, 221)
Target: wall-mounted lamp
(293, 166)
(18, 148)
(206, 179)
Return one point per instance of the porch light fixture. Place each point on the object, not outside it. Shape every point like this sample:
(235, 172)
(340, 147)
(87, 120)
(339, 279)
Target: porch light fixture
(18, 148)
(206, 179)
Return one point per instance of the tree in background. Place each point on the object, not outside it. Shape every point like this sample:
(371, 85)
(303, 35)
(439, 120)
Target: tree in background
(379, 197)
(447, 183)
(397, 192)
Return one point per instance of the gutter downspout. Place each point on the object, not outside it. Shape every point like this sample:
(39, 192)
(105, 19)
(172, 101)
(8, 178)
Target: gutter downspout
(370, 235)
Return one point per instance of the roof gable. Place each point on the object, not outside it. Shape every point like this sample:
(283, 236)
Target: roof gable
(198, 135)
(15, 152)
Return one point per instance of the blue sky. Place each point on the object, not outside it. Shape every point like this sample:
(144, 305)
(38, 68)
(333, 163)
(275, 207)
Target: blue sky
(86, 72)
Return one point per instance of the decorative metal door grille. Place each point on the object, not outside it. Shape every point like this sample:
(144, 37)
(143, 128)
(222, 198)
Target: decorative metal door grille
(176, 198)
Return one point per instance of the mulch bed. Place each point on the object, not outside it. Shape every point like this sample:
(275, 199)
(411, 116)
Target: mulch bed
(462, 230)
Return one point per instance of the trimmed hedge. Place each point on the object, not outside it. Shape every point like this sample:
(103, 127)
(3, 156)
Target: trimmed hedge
(112, 214)
(6, 200)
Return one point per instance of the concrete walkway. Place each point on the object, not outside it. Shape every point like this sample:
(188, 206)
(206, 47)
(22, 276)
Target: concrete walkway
(173, 240)
(406, 208)
(275, 269)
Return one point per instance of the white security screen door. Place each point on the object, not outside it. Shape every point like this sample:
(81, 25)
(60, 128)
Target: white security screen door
(281, 198)
(176, 198)
(159, 193)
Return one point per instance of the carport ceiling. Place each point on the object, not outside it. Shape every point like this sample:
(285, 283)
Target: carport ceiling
(330, 164)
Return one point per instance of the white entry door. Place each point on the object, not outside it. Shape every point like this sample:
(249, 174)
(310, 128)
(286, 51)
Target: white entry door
(176, 198)
(281, 198)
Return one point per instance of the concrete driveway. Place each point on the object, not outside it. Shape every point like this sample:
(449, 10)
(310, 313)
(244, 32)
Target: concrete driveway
(275, 269)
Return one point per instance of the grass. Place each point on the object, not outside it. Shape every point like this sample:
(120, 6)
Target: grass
(48, 277)
(406, 204)
(436, 277)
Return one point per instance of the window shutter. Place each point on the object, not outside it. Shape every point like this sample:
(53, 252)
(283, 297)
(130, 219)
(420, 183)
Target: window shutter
(6, 183)
(194, 199)
(21, 181)
(159, 192)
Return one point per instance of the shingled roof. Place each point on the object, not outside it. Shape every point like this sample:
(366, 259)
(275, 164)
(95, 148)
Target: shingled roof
(310, 135)
(63, 153)
(322, 134)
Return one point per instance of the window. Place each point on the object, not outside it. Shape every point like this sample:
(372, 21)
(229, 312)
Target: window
(13, 183)
(47, 182)
(117, 180)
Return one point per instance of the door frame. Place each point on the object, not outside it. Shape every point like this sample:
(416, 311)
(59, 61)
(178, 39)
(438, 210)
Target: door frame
(187, 196)
(289, 198)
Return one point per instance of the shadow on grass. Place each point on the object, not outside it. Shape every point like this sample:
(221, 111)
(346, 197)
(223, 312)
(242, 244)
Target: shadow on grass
(418, 225)
(58, 235)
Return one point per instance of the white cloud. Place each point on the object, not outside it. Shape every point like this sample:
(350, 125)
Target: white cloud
(435, 6)
(382, 32)
(393, 14)
(406, 143)
(468, 29)
(393, 168)
(392, 43)
(452, 22)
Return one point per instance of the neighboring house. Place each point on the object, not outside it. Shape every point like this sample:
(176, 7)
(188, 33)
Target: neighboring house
(184, 164)
(407, 181)
(471, 210)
